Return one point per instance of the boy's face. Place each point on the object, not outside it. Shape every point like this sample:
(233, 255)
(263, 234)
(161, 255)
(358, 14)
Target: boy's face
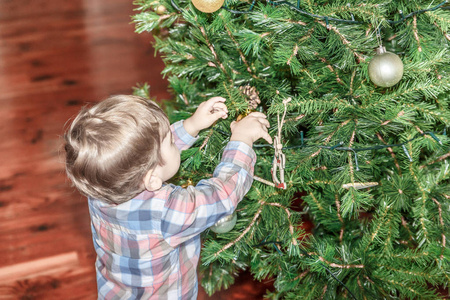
(171, 157)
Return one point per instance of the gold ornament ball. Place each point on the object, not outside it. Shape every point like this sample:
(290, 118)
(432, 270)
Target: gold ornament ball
(160, 10)
(225, 224)
(385, 68)
(208, 6)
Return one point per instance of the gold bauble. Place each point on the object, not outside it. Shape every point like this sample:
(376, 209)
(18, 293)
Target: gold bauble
(207, 6)
(385, 68)
(225, 224)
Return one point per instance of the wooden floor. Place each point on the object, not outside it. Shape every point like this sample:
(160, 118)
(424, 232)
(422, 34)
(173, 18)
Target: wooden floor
(56, 56)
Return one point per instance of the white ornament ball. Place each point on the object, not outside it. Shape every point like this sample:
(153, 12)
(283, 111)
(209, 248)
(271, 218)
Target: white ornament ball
(385, 68)
(225, 224)
(208, 6)
(161, 9)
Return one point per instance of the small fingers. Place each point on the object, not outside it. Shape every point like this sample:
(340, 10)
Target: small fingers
(220, 105)
(267, 137)
(257, 115)
(209, 104)
(220, 108)
(218, 99)
(215, 100)
(264, 122)
(219, 113)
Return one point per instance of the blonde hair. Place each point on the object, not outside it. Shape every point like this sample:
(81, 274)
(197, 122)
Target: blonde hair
(112, 145)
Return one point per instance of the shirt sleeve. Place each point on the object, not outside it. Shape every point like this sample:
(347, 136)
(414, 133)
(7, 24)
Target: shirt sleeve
(183, 140)
(189, 211)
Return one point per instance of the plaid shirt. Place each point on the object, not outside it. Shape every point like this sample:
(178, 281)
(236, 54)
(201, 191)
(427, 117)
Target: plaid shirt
(149, 246)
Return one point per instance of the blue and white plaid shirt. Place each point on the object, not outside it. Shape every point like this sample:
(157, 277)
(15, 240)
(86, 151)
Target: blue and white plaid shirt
(149, 246)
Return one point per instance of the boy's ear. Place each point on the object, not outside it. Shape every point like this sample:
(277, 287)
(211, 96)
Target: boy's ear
(152, 182)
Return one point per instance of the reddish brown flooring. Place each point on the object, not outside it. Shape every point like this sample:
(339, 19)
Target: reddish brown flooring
(55, 56)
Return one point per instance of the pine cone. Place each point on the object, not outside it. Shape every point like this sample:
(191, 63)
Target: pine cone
(252, 96)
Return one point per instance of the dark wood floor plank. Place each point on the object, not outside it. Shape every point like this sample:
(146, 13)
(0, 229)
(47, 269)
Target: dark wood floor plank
(55, 57)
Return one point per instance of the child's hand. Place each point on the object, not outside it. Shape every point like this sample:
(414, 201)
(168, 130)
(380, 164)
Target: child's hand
(251, 128)
(206, 114)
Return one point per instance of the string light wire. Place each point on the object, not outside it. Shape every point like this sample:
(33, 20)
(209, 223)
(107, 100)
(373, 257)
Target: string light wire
(338, 147)
(327, 19)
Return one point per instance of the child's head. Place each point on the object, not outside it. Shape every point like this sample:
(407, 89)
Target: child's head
(111, 146)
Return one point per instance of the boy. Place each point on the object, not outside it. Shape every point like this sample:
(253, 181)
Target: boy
(146, 233)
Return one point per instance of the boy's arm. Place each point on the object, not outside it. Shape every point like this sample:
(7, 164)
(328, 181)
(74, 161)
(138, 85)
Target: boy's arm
(185, 132)
(183, 140)
(190, 211)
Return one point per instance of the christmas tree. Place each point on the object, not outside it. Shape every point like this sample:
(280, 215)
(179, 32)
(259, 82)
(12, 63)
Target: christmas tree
(352, 199)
